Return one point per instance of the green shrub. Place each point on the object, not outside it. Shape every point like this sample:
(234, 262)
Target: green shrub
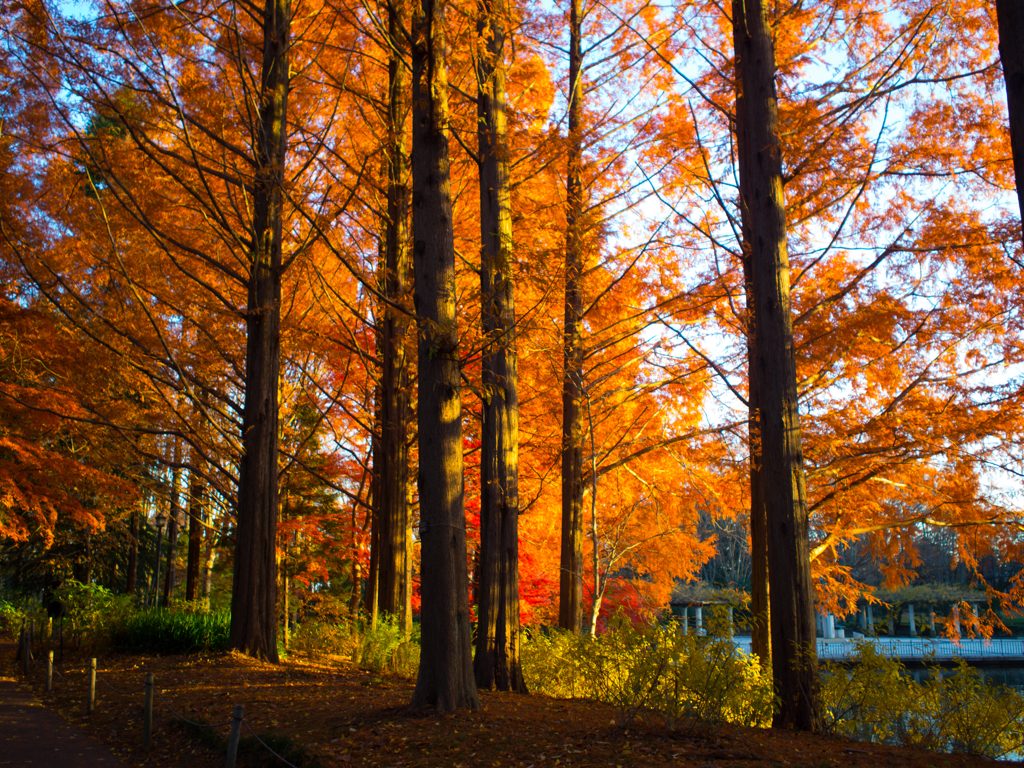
(319, 638)
(91, 611)
(10, 619)
(172, 631)
(875, 700)
(384, 648)
(685, 682)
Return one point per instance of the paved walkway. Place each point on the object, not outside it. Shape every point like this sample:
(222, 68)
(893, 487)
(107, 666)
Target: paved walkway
(35, 737)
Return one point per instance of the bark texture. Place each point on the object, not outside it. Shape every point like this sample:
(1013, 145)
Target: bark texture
(570, 593)
(133, 553)
(496, 663)
(445, 680)
(794, 646)
(196, 516)
(172, 528)
(760, 640)
(1010, 14)
(254, 590)
(394, 511)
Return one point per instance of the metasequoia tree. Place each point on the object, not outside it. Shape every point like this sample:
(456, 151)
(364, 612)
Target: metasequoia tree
(496, 662)
(445, 679)
(1010, 16)
(570, 600)
(254, 590)
(794, 647)
(391, 503)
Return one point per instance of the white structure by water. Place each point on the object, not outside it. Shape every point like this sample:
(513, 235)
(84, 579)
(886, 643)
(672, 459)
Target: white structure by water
(918, 648)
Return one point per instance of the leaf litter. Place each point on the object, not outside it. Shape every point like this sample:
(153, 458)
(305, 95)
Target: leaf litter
(335, 715)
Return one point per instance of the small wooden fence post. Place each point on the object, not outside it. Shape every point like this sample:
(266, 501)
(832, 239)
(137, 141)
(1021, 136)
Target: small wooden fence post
(147, 713)
(236, 732)
(49, 672)
(26, 651)
(91, 705)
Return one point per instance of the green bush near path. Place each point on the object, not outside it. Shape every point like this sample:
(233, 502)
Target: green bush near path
(171, 631)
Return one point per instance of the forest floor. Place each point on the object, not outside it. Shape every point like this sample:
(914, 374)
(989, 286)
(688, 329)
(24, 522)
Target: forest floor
(335, 715)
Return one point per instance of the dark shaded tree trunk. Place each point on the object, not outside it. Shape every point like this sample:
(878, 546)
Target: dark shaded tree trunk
(1010, 14)
(172, 540)
(368, 601)
(445, 679)
(172, 527)
(196, 513)
(570, 592)
(133, 552)
(394, 511)
(760, 631)
(83, 566)
(760, 640)
(793, 642)
(496, 663)
(254, 590)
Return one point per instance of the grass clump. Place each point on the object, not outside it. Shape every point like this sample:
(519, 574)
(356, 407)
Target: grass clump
(686, 683)
(380, 647)
(172, 631)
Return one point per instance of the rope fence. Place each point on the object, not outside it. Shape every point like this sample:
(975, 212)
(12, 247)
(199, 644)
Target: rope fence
(150, 695)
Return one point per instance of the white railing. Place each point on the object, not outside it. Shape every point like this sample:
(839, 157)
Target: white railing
(909, 648)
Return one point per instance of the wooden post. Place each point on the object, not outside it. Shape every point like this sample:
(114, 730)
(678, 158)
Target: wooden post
(236, 732)
(49, 671)
(91, 705)
(24, 651)
(147, 713)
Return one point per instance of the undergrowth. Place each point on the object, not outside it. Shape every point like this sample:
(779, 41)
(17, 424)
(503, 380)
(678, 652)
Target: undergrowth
(171, 631)
(249, 749)
(954, 710)
(382, 647)
(684, 682)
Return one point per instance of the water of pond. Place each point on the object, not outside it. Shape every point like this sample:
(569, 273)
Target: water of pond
(1011, 677)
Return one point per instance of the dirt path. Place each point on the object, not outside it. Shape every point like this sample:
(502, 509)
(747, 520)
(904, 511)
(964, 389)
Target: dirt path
(32, 736)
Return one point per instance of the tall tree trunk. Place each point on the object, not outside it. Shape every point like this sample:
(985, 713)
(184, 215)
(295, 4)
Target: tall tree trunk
(760, 639)
(196, 518)
(496, 663)
(445, 678)
(394, 511)
(172, 526)
(1010, 14)
(133, 552)
(570, 593)
(172, 540)
(209, 559)
(254, 589)
(760, 630)
(368, 602)
(794, 646)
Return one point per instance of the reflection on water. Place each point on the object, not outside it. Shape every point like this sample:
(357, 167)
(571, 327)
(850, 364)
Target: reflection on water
(1011, 677)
